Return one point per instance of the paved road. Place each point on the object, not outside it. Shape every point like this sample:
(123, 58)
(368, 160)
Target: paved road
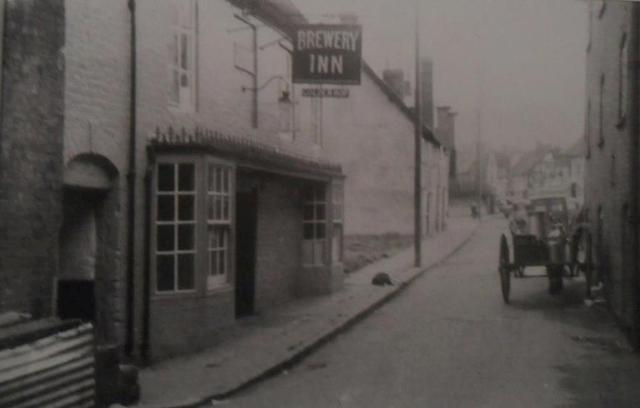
(449, 341)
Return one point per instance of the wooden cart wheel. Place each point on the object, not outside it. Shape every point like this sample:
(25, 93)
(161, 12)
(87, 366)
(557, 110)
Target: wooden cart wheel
(503, 269)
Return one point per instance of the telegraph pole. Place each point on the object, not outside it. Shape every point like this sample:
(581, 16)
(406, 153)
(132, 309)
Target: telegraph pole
(418, 145)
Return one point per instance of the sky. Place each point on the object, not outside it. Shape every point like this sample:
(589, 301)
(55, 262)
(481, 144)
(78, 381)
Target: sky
(514, 70)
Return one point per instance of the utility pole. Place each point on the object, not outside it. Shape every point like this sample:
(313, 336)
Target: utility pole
(418, 145)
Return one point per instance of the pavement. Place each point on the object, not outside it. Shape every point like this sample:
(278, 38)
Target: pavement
(261, 346)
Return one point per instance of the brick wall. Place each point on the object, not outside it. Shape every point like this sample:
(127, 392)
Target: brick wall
(31, 154)
(607, 185)
(373, 140)
(97, 95)
(279, 240)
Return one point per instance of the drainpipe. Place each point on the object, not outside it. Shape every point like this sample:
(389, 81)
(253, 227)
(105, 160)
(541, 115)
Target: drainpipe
(254, 74)
(131, 185)
(635, 165)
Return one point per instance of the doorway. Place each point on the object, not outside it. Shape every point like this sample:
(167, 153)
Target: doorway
(246, 236)
(78, 253)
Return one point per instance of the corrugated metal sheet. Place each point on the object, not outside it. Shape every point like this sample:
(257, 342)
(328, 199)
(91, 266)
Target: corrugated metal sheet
(54, 371)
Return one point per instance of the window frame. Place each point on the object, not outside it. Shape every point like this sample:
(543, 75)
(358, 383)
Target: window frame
(201, 264)
(337, 220)
(315, 221)
(225, 279)
(179, 30)
(176, 162)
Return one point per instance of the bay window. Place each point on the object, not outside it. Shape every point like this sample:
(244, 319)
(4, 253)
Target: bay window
(218, 223)
(193, 224)
(314, 225)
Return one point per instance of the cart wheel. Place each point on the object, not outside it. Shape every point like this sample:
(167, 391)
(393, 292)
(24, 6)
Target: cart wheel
(503, 269)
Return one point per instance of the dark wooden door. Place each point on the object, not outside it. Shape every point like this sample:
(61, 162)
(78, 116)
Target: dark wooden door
(246, 227)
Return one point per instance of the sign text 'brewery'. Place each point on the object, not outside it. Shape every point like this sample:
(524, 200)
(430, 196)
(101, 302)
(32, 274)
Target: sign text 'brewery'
(327, 54)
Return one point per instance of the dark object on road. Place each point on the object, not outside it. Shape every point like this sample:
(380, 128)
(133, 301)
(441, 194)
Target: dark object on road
(542, 234)
(475, 211)
(381, 279)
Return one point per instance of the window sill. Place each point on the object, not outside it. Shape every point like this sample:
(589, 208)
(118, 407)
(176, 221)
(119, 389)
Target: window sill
(177, 109)
(227, 287)
(174, 295)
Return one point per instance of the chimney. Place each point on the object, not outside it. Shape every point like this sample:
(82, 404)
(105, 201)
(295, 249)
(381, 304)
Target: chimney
(446, 133)
(426, 77)
(395, 79)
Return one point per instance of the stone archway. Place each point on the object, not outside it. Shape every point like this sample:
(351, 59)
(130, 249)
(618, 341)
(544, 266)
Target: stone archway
(89, 277)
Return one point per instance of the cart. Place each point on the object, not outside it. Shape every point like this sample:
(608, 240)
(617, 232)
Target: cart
(541, 234)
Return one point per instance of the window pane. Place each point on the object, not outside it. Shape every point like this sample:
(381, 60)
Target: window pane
(320, 212)
(186, 237)
(210, 209)
(213, 263)
(185, 272)
(211, 178)
(186, 176)
(218, 206)
(225, 208)
(184, 51)
(166, 177)
(308, 231)
(307, 194)
(166, 207)
(165, 238)
(165, 275)
(227, 176)
(308, 212)
(320, 194)
(320, 231)
(218, 180)
(175, 86)
(174, 54)
(186, 207)
(223, 262)
(336, 243)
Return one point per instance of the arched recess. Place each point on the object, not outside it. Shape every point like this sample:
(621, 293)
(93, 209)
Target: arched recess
(90, 278)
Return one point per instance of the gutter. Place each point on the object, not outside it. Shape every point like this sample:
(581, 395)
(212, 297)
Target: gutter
(131, 187)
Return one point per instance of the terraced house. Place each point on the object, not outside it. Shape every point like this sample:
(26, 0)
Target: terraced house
(186, 180)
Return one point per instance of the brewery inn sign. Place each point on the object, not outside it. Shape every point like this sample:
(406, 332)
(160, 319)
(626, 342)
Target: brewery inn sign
(327, 54)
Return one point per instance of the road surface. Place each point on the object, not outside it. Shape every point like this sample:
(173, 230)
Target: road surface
(449, 341)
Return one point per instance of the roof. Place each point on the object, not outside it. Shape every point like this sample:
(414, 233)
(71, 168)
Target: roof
(246, 151)
(284, 15)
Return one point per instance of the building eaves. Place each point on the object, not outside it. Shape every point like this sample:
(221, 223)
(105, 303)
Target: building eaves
(246, 151)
